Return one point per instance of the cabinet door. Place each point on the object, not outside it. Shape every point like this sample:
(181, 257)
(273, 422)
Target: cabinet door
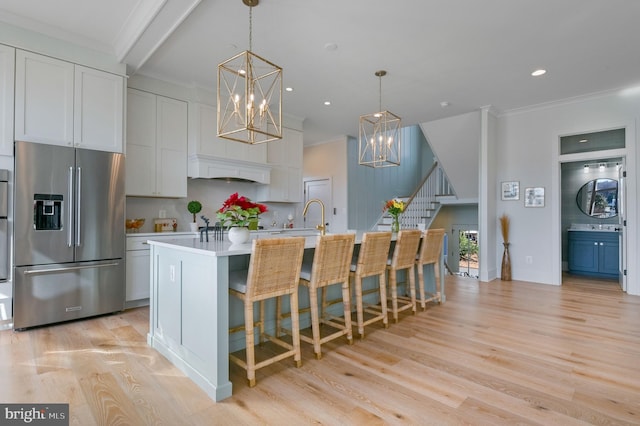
(609, 257)
(202, 130)
(171, 147)
(98, 110)
(44, 99)
(141, 143)
(137, 275)
(7, 68)
(583, 255)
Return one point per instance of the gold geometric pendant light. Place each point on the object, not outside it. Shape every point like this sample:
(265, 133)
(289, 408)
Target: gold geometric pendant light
(379, 139)
(249, 96)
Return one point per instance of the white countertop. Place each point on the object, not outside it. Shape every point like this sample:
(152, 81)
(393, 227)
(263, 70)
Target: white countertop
(585, 227)
(164, 234)
(225, 248)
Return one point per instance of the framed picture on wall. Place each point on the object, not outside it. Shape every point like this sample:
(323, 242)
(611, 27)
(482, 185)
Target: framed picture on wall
(510, 191)
(534, 197)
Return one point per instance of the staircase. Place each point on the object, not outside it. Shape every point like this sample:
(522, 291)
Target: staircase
(423, 205)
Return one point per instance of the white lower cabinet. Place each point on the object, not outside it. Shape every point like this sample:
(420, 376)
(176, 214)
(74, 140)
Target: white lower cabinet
(138, 257)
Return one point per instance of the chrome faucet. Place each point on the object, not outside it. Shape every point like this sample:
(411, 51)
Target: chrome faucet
(322, 227)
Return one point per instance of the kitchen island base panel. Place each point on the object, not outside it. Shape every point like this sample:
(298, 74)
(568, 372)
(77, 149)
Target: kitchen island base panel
(189, 317)
(217, 392)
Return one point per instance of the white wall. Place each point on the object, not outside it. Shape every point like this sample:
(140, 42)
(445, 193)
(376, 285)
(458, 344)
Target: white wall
(527, 150)
(456, 143)
(329, 160)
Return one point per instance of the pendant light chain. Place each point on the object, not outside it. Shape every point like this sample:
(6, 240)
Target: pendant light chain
(380, 92)
(250, 27)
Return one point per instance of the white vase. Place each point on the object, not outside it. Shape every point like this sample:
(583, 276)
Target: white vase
(193, 226)
(238, 235)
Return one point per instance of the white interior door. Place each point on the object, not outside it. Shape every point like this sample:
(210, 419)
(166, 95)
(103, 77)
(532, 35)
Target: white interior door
(622, 220)
(318, 189)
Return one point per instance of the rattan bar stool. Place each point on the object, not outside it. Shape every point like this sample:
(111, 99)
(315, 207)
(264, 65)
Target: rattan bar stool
(274, 269)
(330, 266)
(430, 251)
(371, 261)
(404, 257)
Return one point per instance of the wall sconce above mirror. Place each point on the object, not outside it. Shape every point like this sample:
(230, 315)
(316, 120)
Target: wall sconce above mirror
(599, 198)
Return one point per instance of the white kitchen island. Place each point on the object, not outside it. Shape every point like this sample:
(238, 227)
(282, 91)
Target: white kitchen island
(190, 308)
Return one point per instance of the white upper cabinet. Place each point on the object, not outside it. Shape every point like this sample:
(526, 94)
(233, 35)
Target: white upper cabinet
(204, 139)
(285, 158)
(44, 99)
(7, 68)
(171, 149)
(59, 103)
(98, 113)
(156, 145)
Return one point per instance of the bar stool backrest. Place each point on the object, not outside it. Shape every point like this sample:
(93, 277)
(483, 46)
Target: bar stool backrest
(404, 254)
(274, 268)
(374, 252)
(431, 246)
(332, 259)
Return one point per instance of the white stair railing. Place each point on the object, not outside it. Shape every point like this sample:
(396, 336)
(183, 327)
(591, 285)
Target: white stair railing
(423, 205)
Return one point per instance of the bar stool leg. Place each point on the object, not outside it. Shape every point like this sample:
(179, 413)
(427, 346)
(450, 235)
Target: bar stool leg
(359, 314)
(249, 342)
(261, 337)
(295, 328)
(383, 299)
(346, 303)
(394, 294)
(436, 270)
(412, 288)
(421, 284)
(315, 322)
(278, 315)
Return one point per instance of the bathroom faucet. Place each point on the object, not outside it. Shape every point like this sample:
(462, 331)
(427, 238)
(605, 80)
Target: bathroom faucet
(322, 227)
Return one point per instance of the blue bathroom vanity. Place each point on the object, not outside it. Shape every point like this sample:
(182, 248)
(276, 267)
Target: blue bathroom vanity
(594, 253)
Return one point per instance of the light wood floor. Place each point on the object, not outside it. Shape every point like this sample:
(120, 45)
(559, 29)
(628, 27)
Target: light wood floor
(495, 353)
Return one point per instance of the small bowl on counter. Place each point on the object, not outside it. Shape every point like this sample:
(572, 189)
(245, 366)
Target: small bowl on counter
(134, 225)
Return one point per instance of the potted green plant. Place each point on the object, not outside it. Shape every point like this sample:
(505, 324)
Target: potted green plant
(194, 208)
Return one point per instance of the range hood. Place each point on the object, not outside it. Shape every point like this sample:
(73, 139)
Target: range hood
(202, 166)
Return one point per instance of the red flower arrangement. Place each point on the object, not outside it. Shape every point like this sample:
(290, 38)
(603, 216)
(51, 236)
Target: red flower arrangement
(239, 211)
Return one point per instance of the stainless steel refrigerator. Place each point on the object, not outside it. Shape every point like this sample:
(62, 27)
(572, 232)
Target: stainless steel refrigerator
(69, 234)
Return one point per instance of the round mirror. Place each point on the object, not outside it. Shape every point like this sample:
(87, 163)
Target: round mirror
(599, 198)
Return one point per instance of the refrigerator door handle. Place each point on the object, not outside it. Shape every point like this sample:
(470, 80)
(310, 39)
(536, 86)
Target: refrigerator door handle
(70, 209)
(78, 204)
(67, 269)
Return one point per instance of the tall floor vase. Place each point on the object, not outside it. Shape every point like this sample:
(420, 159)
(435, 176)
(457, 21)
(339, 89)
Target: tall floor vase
(506, 264)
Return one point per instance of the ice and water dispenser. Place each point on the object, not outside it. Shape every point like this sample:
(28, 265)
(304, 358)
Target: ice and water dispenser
(47, 212)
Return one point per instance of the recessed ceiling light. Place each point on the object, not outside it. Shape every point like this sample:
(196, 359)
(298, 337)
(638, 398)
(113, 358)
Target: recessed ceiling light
(327, 103)
(330, 47)
(444, 104)
(539, 72)
(583, 141)
(289, 89)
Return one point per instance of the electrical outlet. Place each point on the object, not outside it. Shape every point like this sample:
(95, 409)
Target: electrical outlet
(162, 214)
(528, 260)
